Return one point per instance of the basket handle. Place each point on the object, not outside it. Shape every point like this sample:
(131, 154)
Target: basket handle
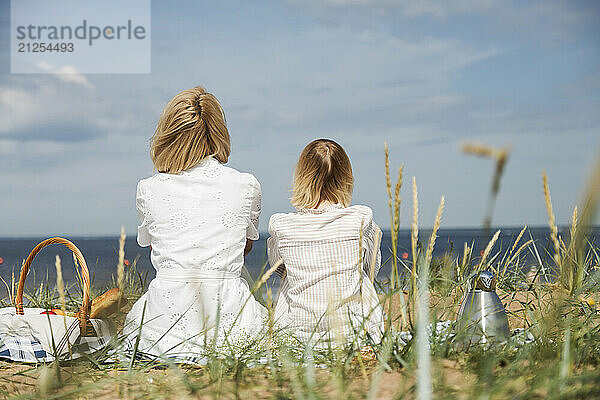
(85, 275)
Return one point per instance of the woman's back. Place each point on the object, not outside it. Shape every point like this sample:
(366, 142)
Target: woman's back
(199, 219)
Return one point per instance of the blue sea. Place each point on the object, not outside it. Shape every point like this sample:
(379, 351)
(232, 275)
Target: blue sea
(101, 253)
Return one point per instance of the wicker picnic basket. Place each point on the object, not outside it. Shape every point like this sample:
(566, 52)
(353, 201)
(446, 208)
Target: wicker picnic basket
(84, 312)
(32, 335)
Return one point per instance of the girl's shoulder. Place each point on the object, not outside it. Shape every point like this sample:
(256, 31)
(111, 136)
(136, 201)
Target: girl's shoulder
(281, 221)
(363, 211)
(275, 221)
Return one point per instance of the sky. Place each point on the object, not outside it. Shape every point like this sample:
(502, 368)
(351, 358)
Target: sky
(425, 77)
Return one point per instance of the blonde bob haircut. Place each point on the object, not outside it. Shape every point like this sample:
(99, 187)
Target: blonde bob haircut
(323, 173)
(191, 128)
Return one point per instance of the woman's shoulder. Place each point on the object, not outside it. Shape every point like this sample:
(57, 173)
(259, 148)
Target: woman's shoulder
(154, 182)
(143, 184)
(242, 177)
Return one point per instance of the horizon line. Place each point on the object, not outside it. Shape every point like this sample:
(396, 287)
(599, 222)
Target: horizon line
(265, 233)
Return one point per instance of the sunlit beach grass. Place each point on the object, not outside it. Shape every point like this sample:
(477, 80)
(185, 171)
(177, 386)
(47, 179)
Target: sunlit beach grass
(555, 301)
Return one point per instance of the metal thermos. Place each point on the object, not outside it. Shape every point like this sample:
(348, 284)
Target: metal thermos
(482, 317)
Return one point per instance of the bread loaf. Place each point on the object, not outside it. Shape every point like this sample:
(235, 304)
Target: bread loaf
(107, 303)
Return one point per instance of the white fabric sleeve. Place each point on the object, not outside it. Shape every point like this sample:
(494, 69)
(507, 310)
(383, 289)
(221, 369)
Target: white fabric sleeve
(255, 206)
(273, 251)
(143, 236)
(371, 243)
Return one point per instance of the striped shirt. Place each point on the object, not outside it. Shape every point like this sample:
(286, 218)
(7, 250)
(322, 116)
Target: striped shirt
(328, 258)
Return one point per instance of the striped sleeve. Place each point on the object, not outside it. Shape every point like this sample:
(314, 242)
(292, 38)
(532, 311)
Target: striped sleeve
(371, 240)
(273, 249)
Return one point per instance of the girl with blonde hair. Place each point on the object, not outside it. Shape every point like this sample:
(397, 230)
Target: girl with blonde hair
(329, 253)
(200, 218)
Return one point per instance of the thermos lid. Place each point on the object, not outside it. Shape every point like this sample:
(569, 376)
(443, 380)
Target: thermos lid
(485, 281)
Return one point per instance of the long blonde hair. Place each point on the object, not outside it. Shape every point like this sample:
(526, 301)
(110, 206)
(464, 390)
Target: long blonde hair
(191, 127)
(323, 173)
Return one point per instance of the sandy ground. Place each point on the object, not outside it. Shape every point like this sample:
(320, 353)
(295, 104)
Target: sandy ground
(167, 383)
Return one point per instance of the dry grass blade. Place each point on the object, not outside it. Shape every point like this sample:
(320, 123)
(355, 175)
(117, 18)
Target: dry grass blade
(460, 267)
(436, 227)
(519, 236)
(573, 224)
(488, 250)
(11, 298)
(267, 275)
(388, 179)
(570, 252)
(479, 149)
(551, 220)
(397, 201)
(60, 286)
(501, 157)
(121, 264)
(414, 228)
(519, 250)
(60, 283)
(414, 236)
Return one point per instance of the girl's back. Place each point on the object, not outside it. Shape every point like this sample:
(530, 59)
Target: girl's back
(325, 251)
(328, 253)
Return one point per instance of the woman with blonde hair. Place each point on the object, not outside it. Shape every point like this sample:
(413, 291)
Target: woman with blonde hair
(329, 254)
(200, 218)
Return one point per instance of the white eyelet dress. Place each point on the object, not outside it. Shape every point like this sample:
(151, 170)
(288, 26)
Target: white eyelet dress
(327, 294)
(197, 223)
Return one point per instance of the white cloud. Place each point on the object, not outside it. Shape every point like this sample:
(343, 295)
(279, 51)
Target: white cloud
(55, 107)
(15, 108)
(66, 73)
(41, 105)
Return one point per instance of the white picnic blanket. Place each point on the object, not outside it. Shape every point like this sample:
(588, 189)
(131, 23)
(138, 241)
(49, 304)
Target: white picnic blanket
(37, 337)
